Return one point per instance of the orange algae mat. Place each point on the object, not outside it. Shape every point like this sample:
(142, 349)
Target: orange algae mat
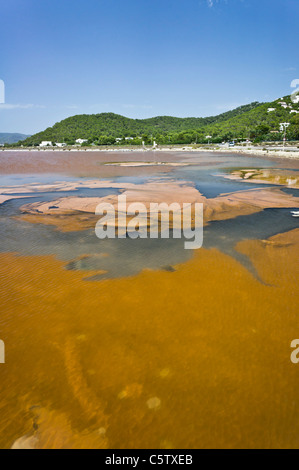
(195, 358)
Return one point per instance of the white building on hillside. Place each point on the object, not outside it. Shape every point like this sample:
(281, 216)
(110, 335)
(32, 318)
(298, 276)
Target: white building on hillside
(46, 143)
(283, 104)
(81, 141)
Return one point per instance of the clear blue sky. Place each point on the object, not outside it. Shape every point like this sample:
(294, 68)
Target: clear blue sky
(142, 58)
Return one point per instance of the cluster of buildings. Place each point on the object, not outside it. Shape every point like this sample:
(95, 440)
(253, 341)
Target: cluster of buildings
(284, 105)
(48, 143)
(119, 139)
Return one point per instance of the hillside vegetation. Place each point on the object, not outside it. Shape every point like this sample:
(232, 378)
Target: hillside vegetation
(253, 121)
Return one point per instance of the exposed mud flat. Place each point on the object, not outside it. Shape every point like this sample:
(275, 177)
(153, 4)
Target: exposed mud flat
(77, 213)
(287, 178)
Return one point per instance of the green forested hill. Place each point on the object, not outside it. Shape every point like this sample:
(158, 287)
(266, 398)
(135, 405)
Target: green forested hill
(93, 126)
(253, 121)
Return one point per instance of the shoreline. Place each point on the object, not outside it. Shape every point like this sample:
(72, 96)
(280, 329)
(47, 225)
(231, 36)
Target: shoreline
(250, 151)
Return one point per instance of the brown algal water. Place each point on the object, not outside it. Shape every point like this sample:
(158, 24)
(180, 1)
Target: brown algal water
(84, 163)
(197, 357)
(190, 355)
(92, 163)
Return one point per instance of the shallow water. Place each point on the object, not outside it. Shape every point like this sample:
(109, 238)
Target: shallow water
(102, 355)
(128, 257)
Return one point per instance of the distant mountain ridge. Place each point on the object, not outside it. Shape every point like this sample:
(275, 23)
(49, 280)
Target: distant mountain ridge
(11, 138)
(254, 120)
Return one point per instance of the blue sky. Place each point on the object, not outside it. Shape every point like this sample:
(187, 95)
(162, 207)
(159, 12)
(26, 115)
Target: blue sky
(142, 58)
